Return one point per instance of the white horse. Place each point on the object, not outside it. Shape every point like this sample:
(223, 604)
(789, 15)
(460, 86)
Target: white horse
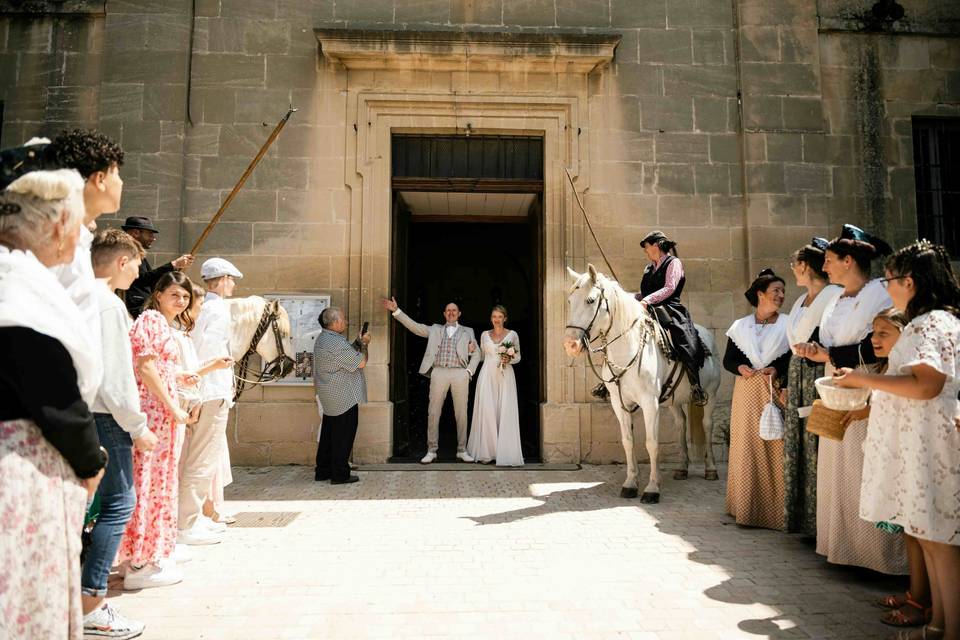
(263, 327)
(636, 371)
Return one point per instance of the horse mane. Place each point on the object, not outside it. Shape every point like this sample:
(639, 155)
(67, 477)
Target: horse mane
(248, 311)
(622, 301)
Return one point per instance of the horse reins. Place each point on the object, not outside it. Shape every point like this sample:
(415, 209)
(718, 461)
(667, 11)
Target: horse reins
(269, 319)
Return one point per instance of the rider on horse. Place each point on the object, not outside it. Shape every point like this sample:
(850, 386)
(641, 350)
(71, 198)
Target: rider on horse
(660, 290)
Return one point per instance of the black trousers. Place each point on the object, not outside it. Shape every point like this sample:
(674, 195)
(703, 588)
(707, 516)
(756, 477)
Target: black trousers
(336, 441)
(686, 341)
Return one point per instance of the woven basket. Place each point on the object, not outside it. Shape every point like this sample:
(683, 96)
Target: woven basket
(826, 423)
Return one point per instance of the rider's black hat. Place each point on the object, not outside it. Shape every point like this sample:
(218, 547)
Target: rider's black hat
(653, 238)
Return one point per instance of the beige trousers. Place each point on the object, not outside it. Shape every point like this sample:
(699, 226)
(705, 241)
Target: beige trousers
(457, 382)
(200, 459)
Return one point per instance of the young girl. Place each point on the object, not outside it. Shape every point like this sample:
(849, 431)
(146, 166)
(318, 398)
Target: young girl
(149, 540)
(911, 609)
(911, 474)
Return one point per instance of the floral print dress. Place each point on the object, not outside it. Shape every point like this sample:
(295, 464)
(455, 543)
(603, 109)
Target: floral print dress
(151, 533)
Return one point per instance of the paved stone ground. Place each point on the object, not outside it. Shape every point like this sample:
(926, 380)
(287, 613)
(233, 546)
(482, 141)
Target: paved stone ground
(502, 554)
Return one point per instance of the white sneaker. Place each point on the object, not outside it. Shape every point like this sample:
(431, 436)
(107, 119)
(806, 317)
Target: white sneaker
(182, 554)
(152, 575)
(106, 622)
(199, 535)
(466, 457)
(210, 524)
(430, 457)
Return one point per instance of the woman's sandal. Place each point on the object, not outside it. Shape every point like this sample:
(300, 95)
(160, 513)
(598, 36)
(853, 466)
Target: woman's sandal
(911, 614)
(894, 601)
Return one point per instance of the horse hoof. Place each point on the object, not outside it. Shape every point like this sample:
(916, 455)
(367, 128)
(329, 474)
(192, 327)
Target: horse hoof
(711, 474)
(650, 498)
(680, 474)
(628, 492)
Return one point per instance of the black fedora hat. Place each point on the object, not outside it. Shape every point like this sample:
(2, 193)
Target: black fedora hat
(139, 222)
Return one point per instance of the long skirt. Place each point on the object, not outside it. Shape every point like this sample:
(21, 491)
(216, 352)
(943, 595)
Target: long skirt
(755, 470)
(842, 536)
(41, 516)
(800, 450)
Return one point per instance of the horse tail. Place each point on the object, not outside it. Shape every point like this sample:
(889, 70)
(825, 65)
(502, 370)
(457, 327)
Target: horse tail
(698, 435)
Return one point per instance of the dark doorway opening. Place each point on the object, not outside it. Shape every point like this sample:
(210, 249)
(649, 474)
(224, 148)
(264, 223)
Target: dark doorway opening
(477, 244)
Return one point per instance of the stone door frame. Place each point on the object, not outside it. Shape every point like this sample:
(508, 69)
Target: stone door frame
(372, 118)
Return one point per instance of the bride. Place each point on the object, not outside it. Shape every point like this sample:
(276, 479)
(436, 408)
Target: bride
(496, 420)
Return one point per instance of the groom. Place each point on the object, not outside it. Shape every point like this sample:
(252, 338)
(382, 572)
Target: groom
(450, 361)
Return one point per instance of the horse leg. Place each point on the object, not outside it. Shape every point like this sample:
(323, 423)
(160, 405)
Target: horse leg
(651, 419)
(629, 488)
(709, 465)
(680, 419)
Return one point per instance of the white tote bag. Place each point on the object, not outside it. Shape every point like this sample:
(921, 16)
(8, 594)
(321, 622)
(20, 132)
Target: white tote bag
(771, 420)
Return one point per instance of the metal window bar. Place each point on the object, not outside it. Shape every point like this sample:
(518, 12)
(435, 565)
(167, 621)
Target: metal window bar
(477, 156)
(936, 154)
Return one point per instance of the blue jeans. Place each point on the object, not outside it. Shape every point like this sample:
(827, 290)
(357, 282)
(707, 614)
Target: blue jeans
(117, 500)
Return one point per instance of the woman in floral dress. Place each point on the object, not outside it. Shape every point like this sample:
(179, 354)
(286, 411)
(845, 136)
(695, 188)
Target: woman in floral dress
(911, 467)
(151, 534)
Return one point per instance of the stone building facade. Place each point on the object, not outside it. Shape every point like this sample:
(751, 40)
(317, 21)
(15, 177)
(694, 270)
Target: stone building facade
(739, 127)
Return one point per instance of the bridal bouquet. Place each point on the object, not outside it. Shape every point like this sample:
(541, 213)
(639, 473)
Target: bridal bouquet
(506, 348)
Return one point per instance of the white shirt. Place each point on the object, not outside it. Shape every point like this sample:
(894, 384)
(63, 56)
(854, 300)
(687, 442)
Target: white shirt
(211, 337)
(81, 284)
(118, 394)
(451, 329)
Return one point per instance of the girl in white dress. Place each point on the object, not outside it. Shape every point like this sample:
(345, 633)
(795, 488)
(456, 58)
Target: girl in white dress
(911, 469)
(496, 417)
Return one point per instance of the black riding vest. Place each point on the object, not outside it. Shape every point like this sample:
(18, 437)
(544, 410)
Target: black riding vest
(655, 280)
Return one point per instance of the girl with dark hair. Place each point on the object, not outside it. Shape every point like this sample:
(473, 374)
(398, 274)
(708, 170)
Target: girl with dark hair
(845, 341)
(758, 354)
(660, 288)
(800, 447)
(149, 540)
(911, 470)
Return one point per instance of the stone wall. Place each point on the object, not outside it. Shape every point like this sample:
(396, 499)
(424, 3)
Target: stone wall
(821, 135)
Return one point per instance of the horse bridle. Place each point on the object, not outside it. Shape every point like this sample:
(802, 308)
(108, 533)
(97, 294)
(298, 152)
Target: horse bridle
(586, 341)
(269, 319)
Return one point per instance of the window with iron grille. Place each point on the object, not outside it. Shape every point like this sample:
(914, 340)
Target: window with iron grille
(936, 158)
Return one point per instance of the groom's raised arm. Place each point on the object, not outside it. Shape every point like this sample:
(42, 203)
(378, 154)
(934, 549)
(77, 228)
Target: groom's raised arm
(391, 305)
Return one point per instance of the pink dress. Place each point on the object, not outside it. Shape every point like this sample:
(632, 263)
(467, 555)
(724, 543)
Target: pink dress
(151, 534)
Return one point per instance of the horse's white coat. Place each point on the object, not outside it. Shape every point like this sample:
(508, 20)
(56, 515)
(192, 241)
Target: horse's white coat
(245, 314)
(621, 314)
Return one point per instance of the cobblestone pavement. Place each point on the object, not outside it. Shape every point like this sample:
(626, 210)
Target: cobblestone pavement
(501, 554)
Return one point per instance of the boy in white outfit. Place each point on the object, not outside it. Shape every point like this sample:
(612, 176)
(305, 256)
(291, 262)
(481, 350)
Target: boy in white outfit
(202, 448)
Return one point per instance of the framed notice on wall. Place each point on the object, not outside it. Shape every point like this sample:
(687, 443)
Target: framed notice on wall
(304, 312)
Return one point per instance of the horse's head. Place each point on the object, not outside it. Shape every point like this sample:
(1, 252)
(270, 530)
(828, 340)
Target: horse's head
(588, 309)
(254, 318)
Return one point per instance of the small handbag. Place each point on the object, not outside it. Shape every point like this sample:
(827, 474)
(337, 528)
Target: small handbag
(771, 420)
(825, 422)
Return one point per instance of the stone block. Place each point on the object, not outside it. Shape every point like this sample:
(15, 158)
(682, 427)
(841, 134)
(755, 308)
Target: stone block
(803, 114)
(669, 46)
(213, 106)
(30, 35)
(66, 104)
(251, 205)
(674, 178)
(363, 11)
(172, 137)
(639, 13)
(709, 47)
(760, 43)
(164, 101)
(666, 114)
(201, 204)
(307, 273)
(787, 12)
(276, 239)
(638, 79)
(167, 32)
(149, 67)
(684, 211)
(808, 178)
(784, 147)
(208, 8)
(142, 137)
(83, 69)
(710, 245)
(765, 178)
(712, 178)
(944, 54)
(220, 35)
(476, 12)
(243, 140)
(162, 169)
(246, 9)
(780, 80)
(266, 36)
(697, 80)
(323, 239)
(301, 453)
(289, 71)
(260, 106)
(221, 172)
(281, 173)
(710, 114)
(635, 209)
(699, 13)
(800, 44)
(40, 69)
(532, 13)
(423, 12)
(121, 102)
(627, 146)
(228, 70)
(583, 13)
(726, 211)
(787, 210)
(682, 147)
(762, 112)
(275, 422)
(905, 53)
(724, 148)
(234, 238)
(304, 206)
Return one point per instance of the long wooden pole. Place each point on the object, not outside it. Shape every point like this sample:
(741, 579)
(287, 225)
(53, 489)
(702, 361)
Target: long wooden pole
(246, 174)
(586, 219)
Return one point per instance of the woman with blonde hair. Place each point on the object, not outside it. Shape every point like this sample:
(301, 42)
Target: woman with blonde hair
(50, 458)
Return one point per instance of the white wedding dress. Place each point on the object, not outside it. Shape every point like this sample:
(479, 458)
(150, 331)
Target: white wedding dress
(495, 430)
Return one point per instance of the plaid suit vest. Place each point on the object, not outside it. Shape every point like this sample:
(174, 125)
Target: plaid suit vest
(447, 352)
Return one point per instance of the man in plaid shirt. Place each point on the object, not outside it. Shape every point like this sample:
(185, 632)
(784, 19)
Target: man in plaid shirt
(340, 387)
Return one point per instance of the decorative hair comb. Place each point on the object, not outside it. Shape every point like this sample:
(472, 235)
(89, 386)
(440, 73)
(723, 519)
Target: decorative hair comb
(766, 272)
(851, 232)
(819, 243)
